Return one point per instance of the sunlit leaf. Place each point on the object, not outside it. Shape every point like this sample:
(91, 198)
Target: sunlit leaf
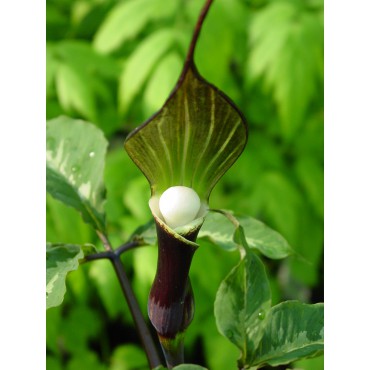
(102, 275)
(219, 230)
(128, 357)
(81, 55)
(161, 82)
(242, 305)
(74, 91)
(60, 260)
(294, 331)
(75, 163)
(140, 64)
(86, 360)
(287, 53)
(127, 19)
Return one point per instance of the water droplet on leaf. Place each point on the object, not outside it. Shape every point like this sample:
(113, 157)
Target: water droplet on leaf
(92, 154)
(75, 168)
(261, 315)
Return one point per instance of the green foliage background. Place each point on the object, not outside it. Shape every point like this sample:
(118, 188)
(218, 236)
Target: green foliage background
(114, 63)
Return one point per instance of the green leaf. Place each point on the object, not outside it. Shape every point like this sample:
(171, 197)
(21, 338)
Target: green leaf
(162, 82)
(86, 360)
(219, 230)
(242, 305)
(127, 19)
(287, 53)
(311, 175)
(74, 169)
(192, 141)
(51, 68)
(189, 367)
(145, 234)
(102, 275)
(60, 260)
(140, 63)
(79, 327)
(128, 357)
(75, 91)
(294, 331)
(81, 55)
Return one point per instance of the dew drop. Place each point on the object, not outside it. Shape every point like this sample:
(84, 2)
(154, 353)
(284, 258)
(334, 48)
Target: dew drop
(261, 315)
(92, 154)
(50, 143)
(75, 168)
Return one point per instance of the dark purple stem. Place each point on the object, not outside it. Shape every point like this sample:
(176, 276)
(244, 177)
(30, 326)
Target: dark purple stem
(198, 27)
(114, 257)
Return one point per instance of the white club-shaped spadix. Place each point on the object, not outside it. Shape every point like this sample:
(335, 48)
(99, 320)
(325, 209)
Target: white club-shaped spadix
(179, 205)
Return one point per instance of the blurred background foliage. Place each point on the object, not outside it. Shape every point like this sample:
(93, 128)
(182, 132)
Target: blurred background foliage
(114, 63)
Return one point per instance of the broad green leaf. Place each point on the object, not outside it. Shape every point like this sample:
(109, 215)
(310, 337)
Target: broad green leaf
(219, 230)
(81, 324)
(279, 199)
(85, 360)
(315, 363)
(75, 91)
(81, 55)
(192, 141)
(136, 199)
(74, 169)
(53, 363)
(287, 53)
(60, 260)
(65, 223)
(242, 305)
(140, 63)
(294, 331)
(311, 175)
(189, 367)
(127, 19)
(162, 82)
(128, 357)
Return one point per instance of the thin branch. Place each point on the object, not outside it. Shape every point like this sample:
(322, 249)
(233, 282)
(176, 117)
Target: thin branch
(105, 241)
(145, 336)
(99, 256)
(126, 247)
(114, 257)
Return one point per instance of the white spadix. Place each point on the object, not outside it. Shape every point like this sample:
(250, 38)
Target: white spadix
(179, 205)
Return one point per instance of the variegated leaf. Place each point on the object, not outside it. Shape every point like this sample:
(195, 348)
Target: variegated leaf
(74, 167)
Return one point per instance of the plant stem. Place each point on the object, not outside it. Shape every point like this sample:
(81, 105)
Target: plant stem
(105, 241)
(140, 323)
(198, 26)
(114, 257)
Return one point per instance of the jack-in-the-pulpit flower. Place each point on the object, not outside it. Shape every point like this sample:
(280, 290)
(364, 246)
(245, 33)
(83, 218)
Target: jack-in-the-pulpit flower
(183, 150)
